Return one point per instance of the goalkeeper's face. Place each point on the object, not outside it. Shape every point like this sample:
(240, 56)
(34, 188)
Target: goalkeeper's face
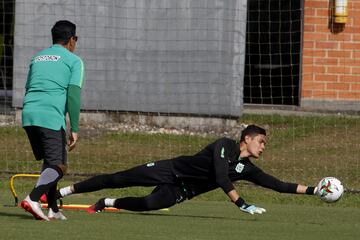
(255, 145)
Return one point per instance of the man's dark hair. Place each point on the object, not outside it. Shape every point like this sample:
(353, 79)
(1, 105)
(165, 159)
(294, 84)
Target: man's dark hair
(252, 131)
(62, 31)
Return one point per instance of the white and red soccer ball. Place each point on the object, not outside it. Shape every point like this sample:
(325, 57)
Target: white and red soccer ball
(330, 189)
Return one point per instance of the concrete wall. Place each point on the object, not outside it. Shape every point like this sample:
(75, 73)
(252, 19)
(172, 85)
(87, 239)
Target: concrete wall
(169, 56)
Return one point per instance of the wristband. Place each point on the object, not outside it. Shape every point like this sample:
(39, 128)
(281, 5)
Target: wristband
(240, 202)
(310, 190)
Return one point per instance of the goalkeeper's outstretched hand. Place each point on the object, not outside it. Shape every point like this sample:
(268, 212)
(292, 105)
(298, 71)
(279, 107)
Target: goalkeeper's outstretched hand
(252, 209)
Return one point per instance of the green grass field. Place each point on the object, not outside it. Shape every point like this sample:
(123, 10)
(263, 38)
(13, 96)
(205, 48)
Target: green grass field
(302, 149)
(304, 218)
(299, 149)
(209, 216)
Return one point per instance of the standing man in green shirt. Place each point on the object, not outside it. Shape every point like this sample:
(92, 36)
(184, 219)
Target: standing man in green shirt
(53, 89)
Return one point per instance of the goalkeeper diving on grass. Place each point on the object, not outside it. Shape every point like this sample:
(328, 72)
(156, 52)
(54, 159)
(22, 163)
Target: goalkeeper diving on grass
(218, 165)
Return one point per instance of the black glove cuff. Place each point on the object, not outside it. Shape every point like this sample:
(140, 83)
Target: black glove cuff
(310, 190)
(239, 202)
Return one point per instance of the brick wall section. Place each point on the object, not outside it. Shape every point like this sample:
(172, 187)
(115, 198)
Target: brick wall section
(331, 54)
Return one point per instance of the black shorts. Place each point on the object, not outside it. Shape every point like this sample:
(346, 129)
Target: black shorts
(48, 144)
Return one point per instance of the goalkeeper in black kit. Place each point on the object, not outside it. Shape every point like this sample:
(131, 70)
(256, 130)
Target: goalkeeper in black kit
(175, 180)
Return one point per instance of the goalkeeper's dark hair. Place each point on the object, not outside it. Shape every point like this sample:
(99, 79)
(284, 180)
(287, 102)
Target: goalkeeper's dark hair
(62, 31)
(252, 131)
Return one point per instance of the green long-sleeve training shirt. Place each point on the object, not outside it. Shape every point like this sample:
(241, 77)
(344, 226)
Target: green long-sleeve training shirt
(53, 89)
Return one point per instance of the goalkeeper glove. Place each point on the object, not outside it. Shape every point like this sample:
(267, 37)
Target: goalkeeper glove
(312, 191)
(252, 209)
(249, 208)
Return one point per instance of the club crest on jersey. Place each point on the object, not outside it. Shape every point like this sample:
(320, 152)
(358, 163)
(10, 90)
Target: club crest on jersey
(239, 167)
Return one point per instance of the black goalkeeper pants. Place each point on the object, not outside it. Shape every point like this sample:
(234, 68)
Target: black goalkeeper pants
(159, 174)
(163, 196)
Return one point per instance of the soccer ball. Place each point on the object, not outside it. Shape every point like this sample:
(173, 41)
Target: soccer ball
(330, 189)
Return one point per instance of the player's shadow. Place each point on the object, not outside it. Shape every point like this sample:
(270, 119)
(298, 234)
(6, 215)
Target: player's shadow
(188, 216)
(19, 215)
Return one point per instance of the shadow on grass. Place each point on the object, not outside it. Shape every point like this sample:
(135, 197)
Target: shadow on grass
(186, 216)
(18, 215)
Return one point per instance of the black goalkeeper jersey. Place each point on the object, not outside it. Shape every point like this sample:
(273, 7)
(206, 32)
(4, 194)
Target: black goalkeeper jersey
(219, 165)
(212, 164)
